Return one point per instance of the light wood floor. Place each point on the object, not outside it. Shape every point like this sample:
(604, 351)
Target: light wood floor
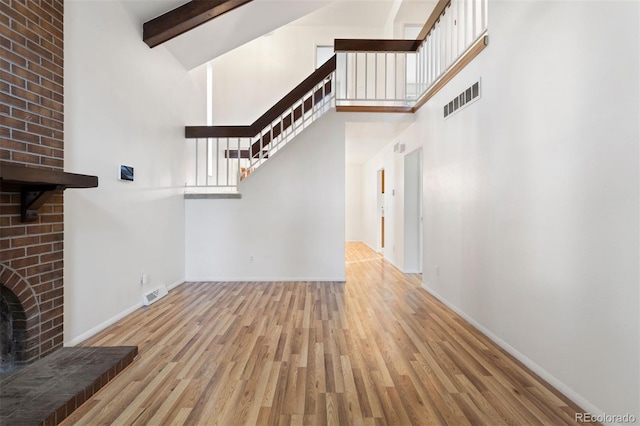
(376, 350)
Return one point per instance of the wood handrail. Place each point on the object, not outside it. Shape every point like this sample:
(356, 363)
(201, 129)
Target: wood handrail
(193, 132)
(288, 120)
(433, 19)
(293, 96)
(375, 109)
(372, 45)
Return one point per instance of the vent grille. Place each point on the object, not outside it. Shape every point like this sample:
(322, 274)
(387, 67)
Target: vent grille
(154, 295)
(463, 99)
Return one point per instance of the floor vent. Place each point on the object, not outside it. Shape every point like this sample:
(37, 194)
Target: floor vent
(154, 295)
(463, 99)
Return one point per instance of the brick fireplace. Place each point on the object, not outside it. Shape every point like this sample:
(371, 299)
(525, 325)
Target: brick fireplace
(31, 134)
(32, 179)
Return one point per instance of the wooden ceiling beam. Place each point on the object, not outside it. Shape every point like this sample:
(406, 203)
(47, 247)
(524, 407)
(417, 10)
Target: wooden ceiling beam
(185, 18)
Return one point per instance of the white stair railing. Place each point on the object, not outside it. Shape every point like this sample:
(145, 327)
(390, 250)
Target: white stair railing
(306, 110)
(215, 162)
(220, 163)
(374, 78)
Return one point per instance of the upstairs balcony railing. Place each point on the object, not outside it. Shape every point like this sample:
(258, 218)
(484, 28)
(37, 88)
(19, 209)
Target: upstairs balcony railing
(397, 74)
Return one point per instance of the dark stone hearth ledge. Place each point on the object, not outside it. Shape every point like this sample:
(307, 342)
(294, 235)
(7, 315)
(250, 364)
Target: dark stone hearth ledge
(50, 389)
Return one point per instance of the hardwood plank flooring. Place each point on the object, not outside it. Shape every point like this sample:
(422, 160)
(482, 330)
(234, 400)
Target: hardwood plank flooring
(375, 350)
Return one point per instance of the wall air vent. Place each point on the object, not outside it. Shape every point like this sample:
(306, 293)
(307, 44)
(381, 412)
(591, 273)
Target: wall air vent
(463, 99)
(154, 295)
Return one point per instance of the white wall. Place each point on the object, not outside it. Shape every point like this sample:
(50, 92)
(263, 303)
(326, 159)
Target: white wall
(412, 13)
(353, 203)
(252, 78)
(290, 219)
(532, 194)
(124, 104)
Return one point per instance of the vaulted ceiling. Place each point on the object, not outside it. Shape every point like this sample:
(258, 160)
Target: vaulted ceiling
(227, 31)
(197, 40)
(198, 31)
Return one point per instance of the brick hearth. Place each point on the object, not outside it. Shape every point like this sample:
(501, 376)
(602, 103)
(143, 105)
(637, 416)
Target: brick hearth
(49, 390)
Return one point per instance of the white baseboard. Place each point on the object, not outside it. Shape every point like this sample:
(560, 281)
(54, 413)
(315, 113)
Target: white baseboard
(263, 279)
(370, 246)
(176, 284)
(98, 328)
(544, 374)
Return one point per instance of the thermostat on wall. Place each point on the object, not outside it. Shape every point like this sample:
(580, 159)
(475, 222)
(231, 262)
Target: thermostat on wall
(126, 173)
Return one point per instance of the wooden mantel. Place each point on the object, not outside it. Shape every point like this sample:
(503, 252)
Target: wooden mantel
(37, 185)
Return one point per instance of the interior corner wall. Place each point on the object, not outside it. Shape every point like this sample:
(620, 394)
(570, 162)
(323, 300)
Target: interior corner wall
(125, 104)
(289, 224)
(411, 13)
(531, 195)
(250, 79)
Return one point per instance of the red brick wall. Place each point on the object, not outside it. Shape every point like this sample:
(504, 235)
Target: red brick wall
(31, 133)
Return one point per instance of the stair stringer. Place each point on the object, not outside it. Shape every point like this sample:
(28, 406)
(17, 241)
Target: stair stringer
(289, 223)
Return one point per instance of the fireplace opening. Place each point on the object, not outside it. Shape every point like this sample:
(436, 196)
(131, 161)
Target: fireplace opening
(12, 331)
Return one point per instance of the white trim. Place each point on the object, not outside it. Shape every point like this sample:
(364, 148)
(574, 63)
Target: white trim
(176, 284)
(372, 248)
(97, 329)
(544, 374)
(393, 263)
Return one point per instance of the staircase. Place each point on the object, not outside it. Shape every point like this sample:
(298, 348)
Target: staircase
(226, 155)
(395, 76)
